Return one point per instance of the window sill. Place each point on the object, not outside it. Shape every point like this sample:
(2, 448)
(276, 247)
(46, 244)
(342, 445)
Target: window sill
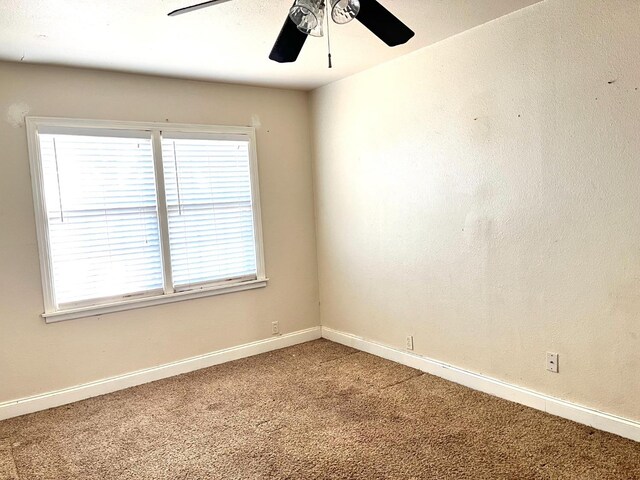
(150, 301)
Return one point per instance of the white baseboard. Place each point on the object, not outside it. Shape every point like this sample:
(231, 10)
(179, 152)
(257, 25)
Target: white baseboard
(599, 420)
(561, 408)
(93, 389)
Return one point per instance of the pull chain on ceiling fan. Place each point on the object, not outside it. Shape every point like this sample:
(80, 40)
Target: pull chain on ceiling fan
(306, 18)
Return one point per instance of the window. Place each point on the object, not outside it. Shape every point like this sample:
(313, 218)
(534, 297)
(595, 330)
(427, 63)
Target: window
(132, 214)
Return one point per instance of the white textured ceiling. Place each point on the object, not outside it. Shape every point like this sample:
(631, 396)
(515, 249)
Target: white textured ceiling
(228, 42)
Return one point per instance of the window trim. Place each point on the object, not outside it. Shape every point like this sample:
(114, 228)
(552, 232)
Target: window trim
(35, 125)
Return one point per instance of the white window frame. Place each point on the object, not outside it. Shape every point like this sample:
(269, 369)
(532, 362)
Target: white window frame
(35, 125)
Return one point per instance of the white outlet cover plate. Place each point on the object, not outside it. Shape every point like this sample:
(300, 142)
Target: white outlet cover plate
(552, 362)
(410, 342)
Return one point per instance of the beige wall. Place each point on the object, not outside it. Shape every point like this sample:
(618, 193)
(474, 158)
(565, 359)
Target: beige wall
(36, 358)
(483, 194)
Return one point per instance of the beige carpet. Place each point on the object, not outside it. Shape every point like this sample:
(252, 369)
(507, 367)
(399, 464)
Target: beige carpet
(318, 410)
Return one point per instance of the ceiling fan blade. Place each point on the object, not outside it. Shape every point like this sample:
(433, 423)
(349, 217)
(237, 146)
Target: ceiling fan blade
(383, 24)
(289, 43)
(198, 6)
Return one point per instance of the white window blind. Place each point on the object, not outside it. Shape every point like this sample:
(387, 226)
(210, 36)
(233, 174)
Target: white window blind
(102, 216)
(135, 214)
(210, 215)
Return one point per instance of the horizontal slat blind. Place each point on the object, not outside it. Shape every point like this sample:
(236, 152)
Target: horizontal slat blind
(103, 224)
(208, 191)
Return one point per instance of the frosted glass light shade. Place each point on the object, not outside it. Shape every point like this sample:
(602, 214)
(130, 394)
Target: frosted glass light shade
(305, 14)
(318, 31)
(343, 11)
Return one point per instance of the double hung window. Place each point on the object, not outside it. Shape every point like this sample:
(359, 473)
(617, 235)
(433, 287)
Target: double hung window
(133, 214)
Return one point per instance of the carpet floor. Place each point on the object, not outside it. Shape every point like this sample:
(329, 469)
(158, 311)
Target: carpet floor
(314, 411)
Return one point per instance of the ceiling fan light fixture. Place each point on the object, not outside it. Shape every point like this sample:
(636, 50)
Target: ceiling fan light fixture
(319, 30)
(343, 11)
(306, 15)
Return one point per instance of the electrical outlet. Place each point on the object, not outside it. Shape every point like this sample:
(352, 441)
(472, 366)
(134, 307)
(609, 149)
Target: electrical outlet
(275, 328)
(409, 342)
(552, 362)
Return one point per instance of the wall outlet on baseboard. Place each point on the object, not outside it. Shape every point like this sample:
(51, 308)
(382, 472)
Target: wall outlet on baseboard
(552, 362)
(409, 342)
(275, 328)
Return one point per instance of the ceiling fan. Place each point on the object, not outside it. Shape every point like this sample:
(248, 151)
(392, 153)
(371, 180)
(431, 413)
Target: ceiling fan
(307, 17)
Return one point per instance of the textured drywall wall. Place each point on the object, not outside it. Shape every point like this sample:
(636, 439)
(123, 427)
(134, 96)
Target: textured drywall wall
(35, 357)
(483, 195)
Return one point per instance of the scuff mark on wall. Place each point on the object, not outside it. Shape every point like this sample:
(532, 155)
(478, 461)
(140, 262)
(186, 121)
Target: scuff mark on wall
(16, 113)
